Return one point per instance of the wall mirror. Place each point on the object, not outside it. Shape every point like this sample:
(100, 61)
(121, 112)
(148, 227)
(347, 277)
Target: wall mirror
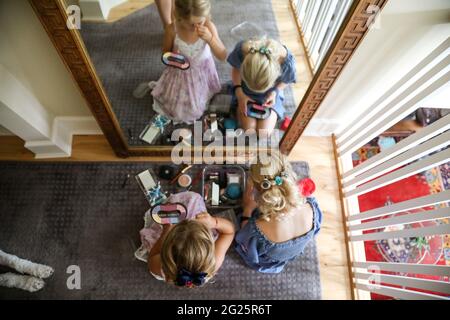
(116, 48)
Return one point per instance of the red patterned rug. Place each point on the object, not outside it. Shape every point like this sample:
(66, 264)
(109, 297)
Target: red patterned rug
(421, 250)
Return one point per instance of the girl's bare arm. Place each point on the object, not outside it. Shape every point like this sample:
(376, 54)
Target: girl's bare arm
(226, 234)
(154, 259)
(169, 37)
(217, 46)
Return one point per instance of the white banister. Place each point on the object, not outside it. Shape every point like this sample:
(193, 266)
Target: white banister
(425, 284)
(440, 271)
(412, 141)
(421, 86)
(411, 155)
(323, 25)
(415, 203)
(411, 169)
(400, 107)
(405, 233)
(319, 22)
(428, 215)
(399, 293)
(416, 72)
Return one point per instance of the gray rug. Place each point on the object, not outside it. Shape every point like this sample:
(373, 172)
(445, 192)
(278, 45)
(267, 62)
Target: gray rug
(128, 52)
(89, 215)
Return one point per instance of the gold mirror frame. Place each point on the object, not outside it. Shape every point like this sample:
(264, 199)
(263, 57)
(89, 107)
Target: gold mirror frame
(72, 51)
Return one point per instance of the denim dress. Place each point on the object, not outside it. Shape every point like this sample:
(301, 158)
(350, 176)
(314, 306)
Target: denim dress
(266, 256)
(288, 75)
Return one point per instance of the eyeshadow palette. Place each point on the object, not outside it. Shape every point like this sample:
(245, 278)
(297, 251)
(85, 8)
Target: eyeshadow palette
(168, 213)
(175, 60)
(257, 111)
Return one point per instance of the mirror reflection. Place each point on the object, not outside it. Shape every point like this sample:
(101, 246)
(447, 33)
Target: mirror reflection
(167, 64)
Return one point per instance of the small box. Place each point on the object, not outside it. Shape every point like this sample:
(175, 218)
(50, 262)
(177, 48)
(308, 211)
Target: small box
(214, 124)
(215, 194)
(153, 130)
(151, 187)
(233, 178)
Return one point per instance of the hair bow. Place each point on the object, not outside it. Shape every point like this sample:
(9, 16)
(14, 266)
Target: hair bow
(189, 279)
(160, 122)
(155, 193)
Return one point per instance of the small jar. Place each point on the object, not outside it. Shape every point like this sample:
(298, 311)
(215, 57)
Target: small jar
(184, 181)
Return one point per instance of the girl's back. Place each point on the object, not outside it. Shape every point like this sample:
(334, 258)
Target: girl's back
(296, 224)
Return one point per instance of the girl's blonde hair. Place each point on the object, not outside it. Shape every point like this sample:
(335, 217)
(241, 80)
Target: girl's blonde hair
(190, 246)
(277, 201)
(261, 66)
(184, 9)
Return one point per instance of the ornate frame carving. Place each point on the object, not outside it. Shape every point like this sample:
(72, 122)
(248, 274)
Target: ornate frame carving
(70, 47)
(349, 36)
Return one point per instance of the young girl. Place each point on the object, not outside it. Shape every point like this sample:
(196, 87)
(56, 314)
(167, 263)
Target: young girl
(276, 224)
(190, 252)
(183, 95)
(261, 70)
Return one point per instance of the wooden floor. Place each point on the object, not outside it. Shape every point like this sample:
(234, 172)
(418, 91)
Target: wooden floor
(317, 151)
(289, 36)
(126, 9)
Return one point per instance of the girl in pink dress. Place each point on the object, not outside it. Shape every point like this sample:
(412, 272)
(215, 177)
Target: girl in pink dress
(189, 253)
(183, 95)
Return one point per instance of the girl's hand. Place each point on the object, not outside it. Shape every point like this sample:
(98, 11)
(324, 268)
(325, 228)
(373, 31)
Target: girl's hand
(209, 221)
(204, 33)
(271, 99)
(243, 100)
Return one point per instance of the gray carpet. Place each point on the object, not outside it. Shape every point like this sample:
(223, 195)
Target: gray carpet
(128, 52)
(89, 214)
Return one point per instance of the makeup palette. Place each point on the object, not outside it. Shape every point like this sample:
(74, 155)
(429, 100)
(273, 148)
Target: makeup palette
(175, 60)
(257, 111)
(168, 213)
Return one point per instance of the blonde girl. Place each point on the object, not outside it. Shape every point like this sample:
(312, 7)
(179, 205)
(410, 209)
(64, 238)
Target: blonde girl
(183, 95)
(191, 252)
(261, 70)
(276, 223)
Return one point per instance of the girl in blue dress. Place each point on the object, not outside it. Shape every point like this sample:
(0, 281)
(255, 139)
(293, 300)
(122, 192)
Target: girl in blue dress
(276, 224)
(261, 70)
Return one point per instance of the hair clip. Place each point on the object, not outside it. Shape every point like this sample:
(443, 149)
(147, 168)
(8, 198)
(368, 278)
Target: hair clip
(266, 51)
(266, 184)
(252, 50)
(278, 181)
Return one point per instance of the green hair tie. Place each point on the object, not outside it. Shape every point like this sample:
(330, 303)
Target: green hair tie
(264, 50)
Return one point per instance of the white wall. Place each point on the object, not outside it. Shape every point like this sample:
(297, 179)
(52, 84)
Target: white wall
(97, 10)
(409, 30)
(28, 53)
(5, 132)
(37, 77)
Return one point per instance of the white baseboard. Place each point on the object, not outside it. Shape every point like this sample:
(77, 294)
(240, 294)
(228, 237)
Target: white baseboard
(63, 130)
